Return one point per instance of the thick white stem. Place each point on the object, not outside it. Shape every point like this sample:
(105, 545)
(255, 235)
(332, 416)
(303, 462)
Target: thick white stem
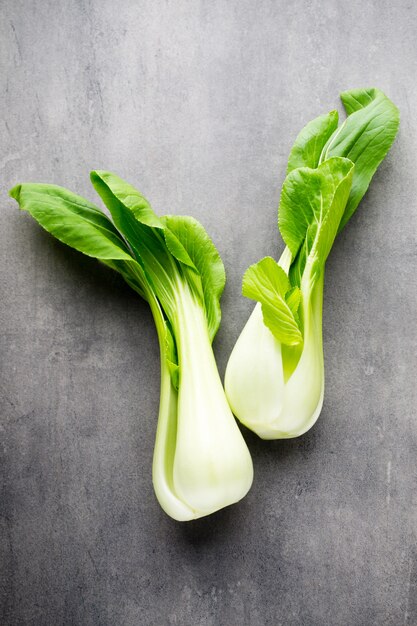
(259, 393)
(212, 464)
(254, 380)
(304, 389)
(166, 434)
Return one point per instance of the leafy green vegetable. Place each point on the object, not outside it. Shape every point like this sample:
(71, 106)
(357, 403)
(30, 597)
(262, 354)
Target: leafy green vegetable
(275, 375)
(201, 462)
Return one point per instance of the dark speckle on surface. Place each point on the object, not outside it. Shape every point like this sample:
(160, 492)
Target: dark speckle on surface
(197, 104)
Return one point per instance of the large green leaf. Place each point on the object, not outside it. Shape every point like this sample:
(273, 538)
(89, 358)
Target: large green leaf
(311, 206)
(81, 225)
(365, 138)
(126, 209)
(308, 146)
(72, 219)
(267, 283)
(111, 187)
(144, 231)
(188, 241)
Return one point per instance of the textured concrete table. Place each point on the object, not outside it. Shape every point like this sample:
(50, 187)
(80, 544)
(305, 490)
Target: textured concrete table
(197, 103)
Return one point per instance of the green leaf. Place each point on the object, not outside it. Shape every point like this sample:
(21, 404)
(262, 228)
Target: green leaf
(311, 206)
(125, 205)
(188, 241)
(73, 220)
(81, 225)
(144, 232)
(310, 142)
(365, 138)
(111, 187)
(267, 283)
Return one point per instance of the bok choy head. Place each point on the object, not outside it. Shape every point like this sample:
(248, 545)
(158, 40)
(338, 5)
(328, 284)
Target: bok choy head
(201, 462)
(275, 375)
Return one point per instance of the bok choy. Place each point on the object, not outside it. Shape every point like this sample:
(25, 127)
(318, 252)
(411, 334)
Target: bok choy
(275, 375)
(201, 461)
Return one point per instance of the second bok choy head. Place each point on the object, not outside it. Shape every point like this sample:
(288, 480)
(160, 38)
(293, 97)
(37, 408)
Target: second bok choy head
(275, 375)
(201, 461)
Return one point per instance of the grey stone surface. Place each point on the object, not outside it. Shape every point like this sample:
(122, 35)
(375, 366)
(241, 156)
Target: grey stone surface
(197, 103)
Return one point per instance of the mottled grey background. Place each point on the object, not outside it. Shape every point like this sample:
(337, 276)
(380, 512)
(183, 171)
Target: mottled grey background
(197, 103)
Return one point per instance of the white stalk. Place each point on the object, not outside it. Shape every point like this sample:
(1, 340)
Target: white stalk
(212, 464)
(201, 461)
(261, 397)
(254, 380)
(166, 433)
